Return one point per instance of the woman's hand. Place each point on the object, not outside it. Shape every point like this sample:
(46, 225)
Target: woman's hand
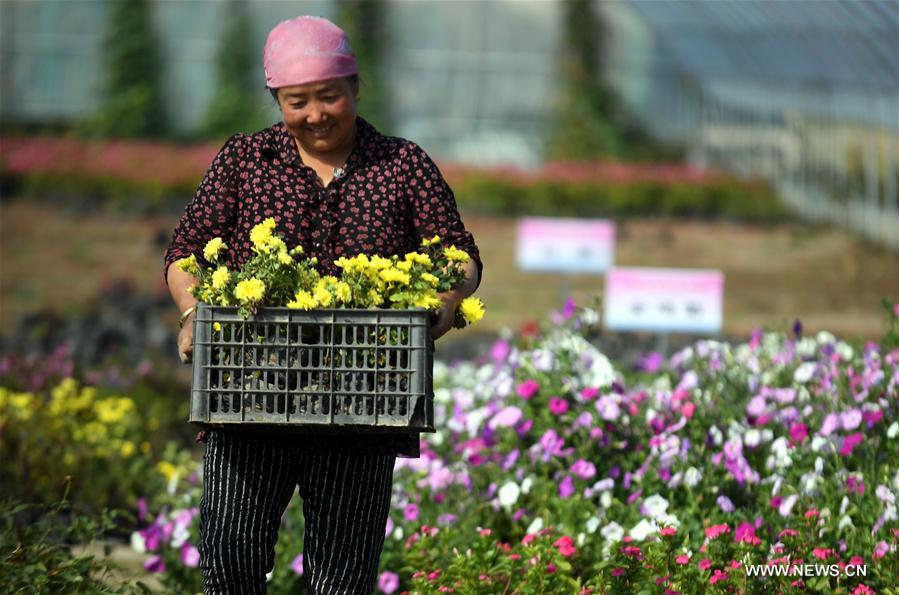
(186, 339)
(442, 322)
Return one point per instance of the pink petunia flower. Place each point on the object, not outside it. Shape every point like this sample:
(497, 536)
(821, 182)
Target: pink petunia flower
(297, 564)
(798, 433)
(668, 531)
(565, 545)
(388, 582)
(718, 576)
(566, 488)
(716, 530)
(558, 406)
(155, 564)
(528, 389)
(190, 556)
(411, 512)
(583, 469)
(705, 564)
(822, 553)
(618, 571)
(880, 550)
(682, 559)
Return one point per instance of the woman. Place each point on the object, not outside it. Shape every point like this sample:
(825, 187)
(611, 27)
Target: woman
(338, 187)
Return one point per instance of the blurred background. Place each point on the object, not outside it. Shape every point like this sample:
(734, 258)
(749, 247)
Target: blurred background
(756, 138)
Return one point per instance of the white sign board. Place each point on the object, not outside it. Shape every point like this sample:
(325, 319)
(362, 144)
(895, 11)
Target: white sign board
(664, 300)
(566, 245)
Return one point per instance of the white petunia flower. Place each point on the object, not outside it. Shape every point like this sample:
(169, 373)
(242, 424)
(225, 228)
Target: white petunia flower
(508, 494)
(138, 543)
(612, 532)
(643, 529)
(592, 524)
(804, 372)
(692, 477)
(535, 526)
(893, 430)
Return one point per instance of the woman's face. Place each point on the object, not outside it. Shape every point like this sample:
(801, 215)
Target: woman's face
(321, 116)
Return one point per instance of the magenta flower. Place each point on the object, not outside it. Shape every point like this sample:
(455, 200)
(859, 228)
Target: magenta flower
(558, 406)
(745, 533)
(583, 469)
(682, 559)
(528, 389)
(822, 553)
(705, 564)
(850, 419)
(297, 564)
(190, 556)
(500, 351)
(388, 582)
(798, 433)
(880, 550)
(618, 571)
(830, 424)
(411, 512)
(566, 488)
(155, 564)
(719, 575)
(850, 442)
(589, 393)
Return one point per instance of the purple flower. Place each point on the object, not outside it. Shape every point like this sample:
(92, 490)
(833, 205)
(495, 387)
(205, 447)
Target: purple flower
(141, 509)
(388, 582)
(505, 418)
(558, 406)
(190, 556)
(528, 389)
(797, 328)
(608, 408)
(552, 444)
(411, 512)
(566, 488)
(500, 351)
(583, 469)
(155, 564)
(756, 406)
(725, 504)
(651, 363)
(446, 519)
(297, 564)
(388, 527)
(569, 308)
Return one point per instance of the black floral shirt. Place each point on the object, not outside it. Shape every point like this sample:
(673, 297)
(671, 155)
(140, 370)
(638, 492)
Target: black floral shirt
(390, 196)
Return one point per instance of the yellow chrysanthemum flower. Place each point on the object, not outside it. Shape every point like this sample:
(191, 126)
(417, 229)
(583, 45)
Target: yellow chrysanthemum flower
(250, 291)
(168, 470)
(375, 297)
(456, 255)
(404, 265)
(393, 275)
(431, 279)
(343, 292)
(322, 295)
(188, 265)
(213, 248)
(262, 233)
(418, 258)
(303, 300)
(380, 263)
(428, 302)
(127, 449)
(431, 242)
(472, 309)
(220, 278)
(285, 258)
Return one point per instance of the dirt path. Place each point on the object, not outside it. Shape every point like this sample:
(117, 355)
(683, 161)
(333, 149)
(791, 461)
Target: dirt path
(773, 274)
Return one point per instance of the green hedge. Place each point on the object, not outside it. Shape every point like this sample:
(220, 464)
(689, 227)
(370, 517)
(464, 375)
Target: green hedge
(724, 198)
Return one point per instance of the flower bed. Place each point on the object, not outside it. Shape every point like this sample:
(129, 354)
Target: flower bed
(553, 471)
(148, 176)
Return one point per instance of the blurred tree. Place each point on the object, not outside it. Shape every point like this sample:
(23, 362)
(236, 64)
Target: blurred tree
(363, 21)
(234, 106)
(584, 128)
(133, 104)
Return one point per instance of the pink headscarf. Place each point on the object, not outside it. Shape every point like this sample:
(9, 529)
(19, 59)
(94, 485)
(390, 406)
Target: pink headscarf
(307, 50)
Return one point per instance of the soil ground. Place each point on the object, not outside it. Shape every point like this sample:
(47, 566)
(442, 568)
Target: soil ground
(50, 258)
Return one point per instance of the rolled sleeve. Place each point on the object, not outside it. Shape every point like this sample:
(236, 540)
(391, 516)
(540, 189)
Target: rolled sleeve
(212, 211)
(433, 204)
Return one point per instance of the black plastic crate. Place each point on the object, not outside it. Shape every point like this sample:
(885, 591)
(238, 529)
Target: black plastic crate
(317, 369)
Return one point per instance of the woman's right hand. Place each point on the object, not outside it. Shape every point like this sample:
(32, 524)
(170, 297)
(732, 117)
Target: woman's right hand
(186, 339)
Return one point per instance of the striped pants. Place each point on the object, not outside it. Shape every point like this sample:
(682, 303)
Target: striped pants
(249, 481)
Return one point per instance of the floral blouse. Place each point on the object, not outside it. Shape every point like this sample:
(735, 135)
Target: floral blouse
(389, 196)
